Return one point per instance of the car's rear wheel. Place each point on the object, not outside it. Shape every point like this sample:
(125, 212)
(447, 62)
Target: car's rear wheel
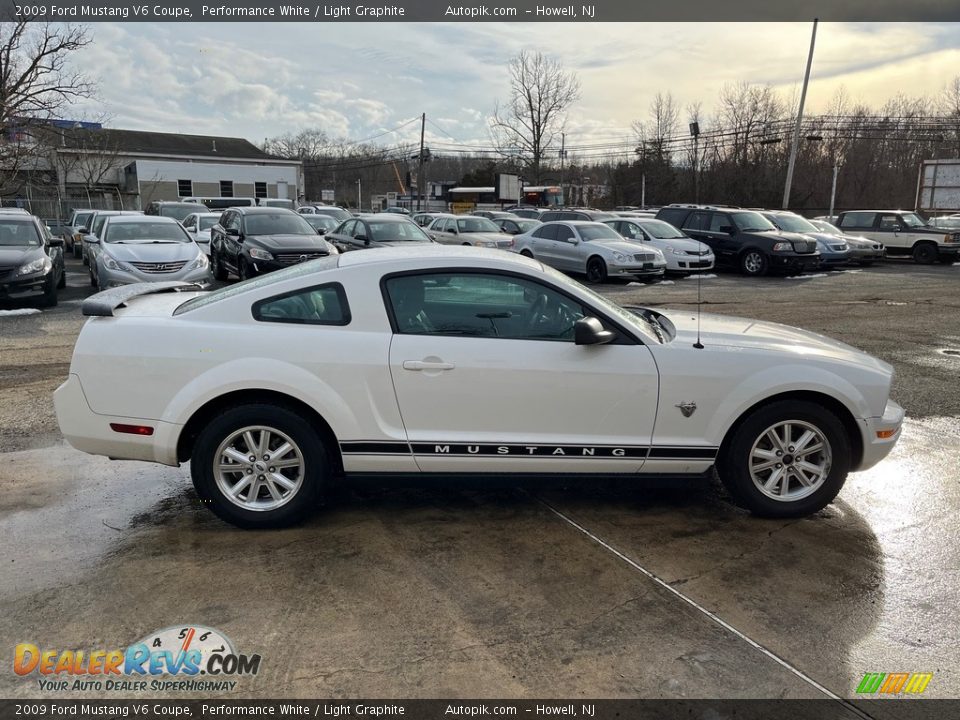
(753, 263)
(219, 271)
(62, 282)
(243, 270)
(93, 279)
(86, 258)
(925, 253)
(49, 297)
(596, 270)
(260, 466)
(787, 459)
(527, 253)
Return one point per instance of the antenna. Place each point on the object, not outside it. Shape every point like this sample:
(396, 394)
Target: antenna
(699, 345)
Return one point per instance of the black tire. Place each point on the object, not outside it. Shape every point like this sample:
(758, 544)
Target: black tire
(316, 468)
(86, 259)
(925, 253)
(62, 282)
(754, 263)
(596, 270)
(93, 280)
(243, 271)
(866, 263)
(219, 271)
(527, 253)
(49, 298)
(734, 463)
(77, 250)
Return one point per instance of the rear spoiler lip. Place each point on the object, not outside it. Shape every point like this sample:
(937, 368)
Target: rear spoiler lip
(104, 303)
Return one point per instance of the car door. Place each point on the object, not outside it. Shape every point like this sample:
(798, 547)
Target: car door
(544, 244)
(570, 253)
(890, 227)
(862, 223)
(498, 385)
(340, 237)
(232, 245)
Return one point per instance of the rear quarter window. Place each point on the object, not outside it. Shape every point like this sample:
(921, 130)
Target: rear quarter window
(857, 220)
(318, 305)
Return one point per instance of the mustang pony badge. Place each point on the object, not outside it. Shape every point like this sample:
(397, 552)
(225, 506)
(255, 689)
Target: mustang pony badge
(687, 408)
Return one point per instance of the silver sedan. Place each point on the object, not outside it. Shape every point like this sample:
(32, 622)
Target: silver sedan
(468, 230)
(590, 248)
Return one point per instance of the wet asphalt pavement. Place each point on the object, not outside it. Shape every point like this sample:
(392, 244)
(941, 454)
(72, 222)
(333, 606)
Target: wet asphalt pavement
(583, 590)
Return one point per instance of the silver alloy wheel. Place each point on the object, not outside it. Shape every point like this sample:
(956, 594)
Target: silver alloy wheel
(753, 262)
(790, 460)
(258, 468)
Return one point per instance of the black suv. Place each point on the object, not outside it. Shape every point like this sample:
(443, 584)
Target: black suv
(250, 241)
(744, 239)
(31, 260)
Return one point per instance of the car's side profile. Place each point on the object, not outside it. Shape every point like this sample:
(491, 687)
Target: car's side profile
(434, 360)
(682, 254)
(590, 248)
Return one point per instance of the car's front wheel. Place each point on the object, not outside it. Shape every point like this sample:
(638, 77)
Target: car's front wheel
(596, 270)
(218, 270)
(260, 466)
(925, 253)
(787, 459)
(753, 263)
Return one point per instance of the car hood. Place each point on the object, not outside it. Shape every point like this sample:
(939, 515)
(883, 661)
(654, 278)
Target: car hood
(487, 236)
(624, 246)
(18, 255)
(691, 246)
(736, 332)
(151, 252)
(288, 243)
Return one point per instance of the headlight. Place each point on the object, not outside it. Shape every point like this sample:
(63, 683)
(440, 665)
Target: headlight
(112, 264)
(620, 257)
(39, 265)
(258, 254)
(332, 249)
(677, 251)
(201, 262)
(782, 247)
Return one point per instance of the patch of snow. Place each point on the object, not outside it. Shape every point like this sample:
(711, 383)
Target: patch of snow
(806, 277)
(19, 311)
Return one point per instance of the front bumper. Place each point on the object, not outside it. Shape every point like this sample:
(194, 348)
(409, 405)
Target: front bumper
(859, 255)
(15, 288)
(115, 278)
(830, 259)
(647, 269)
(690, 263)
(91, 433)
(876, 448)
(951, 250)
(794, 263)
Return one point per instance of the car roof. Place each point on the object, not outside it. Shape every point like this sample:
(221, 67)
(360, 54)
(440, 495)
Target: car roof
(142, 218)
(577, 223)
(455, 255)
(258, 209)
(388, 217)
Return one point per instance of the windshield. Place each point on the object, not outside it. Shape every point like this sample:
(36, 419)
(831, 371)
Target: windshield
(913, 220)
(177, 212)
(23, 233)
(661, 230)
(793, 223)
(334, 212)
(277, 202)
(208, 222)
(145, 231)
(634, 322)
(280, 223)
(826, 227)
(946, 223)
(526, 225)
(81, 219)
(598, 232)
(396, 231)
(321, 222)
(752, 221)
(99, 220)
(476, 224)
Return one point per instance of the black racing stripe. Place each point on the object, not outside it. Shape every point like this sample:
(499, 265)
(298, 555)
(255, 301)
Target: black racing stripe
(674, 453)
(375, 448)
(528, 450)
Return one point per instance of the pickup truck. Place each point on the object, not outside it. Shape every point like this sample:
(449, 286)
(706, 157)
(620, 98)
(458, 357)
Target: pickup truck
(904, 233)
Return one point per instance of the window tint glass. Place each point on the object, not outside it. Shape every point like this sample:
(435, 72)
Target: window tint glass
(382, 231)
(280, 223)
(857, 220)
(322, 305)
(889, 222)
(564, 233)
(546, 232)
(718, 221)
(481, 305)
(13, 233)
(697, 221)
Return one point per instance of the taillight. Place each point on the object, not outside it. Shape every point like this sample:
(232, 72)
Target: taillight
(131, 429)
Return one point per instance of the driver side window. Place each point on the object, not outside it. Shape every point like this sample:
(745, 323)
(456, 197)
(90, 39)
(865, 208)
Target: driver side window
(481, 305)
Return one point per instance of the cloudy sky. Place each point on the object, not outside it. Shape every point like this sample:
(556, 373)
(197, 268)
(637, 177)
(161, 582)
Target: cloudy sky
(359, 80)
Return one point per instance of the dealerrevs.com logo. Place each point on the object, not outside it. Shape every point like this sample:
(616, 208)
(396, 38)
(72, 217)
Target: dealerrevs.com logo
(182, 657)
(894, 683)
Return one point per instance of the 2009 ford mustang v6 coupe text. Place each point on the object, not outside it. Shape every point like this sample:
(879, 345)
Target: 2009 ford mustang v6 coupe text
(461, 360)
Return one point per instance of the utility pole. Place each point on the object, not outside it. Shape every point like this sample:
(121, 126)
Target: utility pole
(359, 196)
(421, 186)
(796, 130)
(643, 190)
(563, 156)
(695, 132)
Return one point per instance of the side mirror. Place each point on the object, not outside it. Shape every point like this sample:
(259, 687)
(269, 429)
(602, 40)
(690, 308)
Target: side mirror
(589, 331)
(321, 231)
(55, 242)
(233, 232)
(83, 231)
(93, 240)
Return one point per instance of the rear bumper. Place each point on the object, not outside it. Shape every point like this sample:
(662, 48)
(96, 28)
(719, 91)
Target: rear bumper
(91, 433)
(877, 448)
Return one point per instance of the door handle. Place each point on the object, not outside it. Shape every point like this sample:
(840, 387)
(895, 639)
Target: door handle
(417, 365)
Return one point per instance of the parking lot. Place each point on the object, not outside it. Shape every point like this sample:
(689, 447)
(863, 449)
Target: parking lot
(483, 589)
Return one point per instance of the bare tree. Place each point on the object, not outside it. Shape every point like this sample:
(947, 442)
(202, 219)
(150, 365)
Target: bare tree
(37, 83)
(530, 121)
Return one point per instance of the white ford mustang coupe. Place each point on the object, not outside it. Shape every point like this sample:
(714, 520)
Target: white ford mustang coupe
(449, 360)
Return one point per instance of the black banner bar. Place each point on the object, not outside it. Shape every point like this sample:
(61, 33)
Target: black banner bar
(488, 11)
